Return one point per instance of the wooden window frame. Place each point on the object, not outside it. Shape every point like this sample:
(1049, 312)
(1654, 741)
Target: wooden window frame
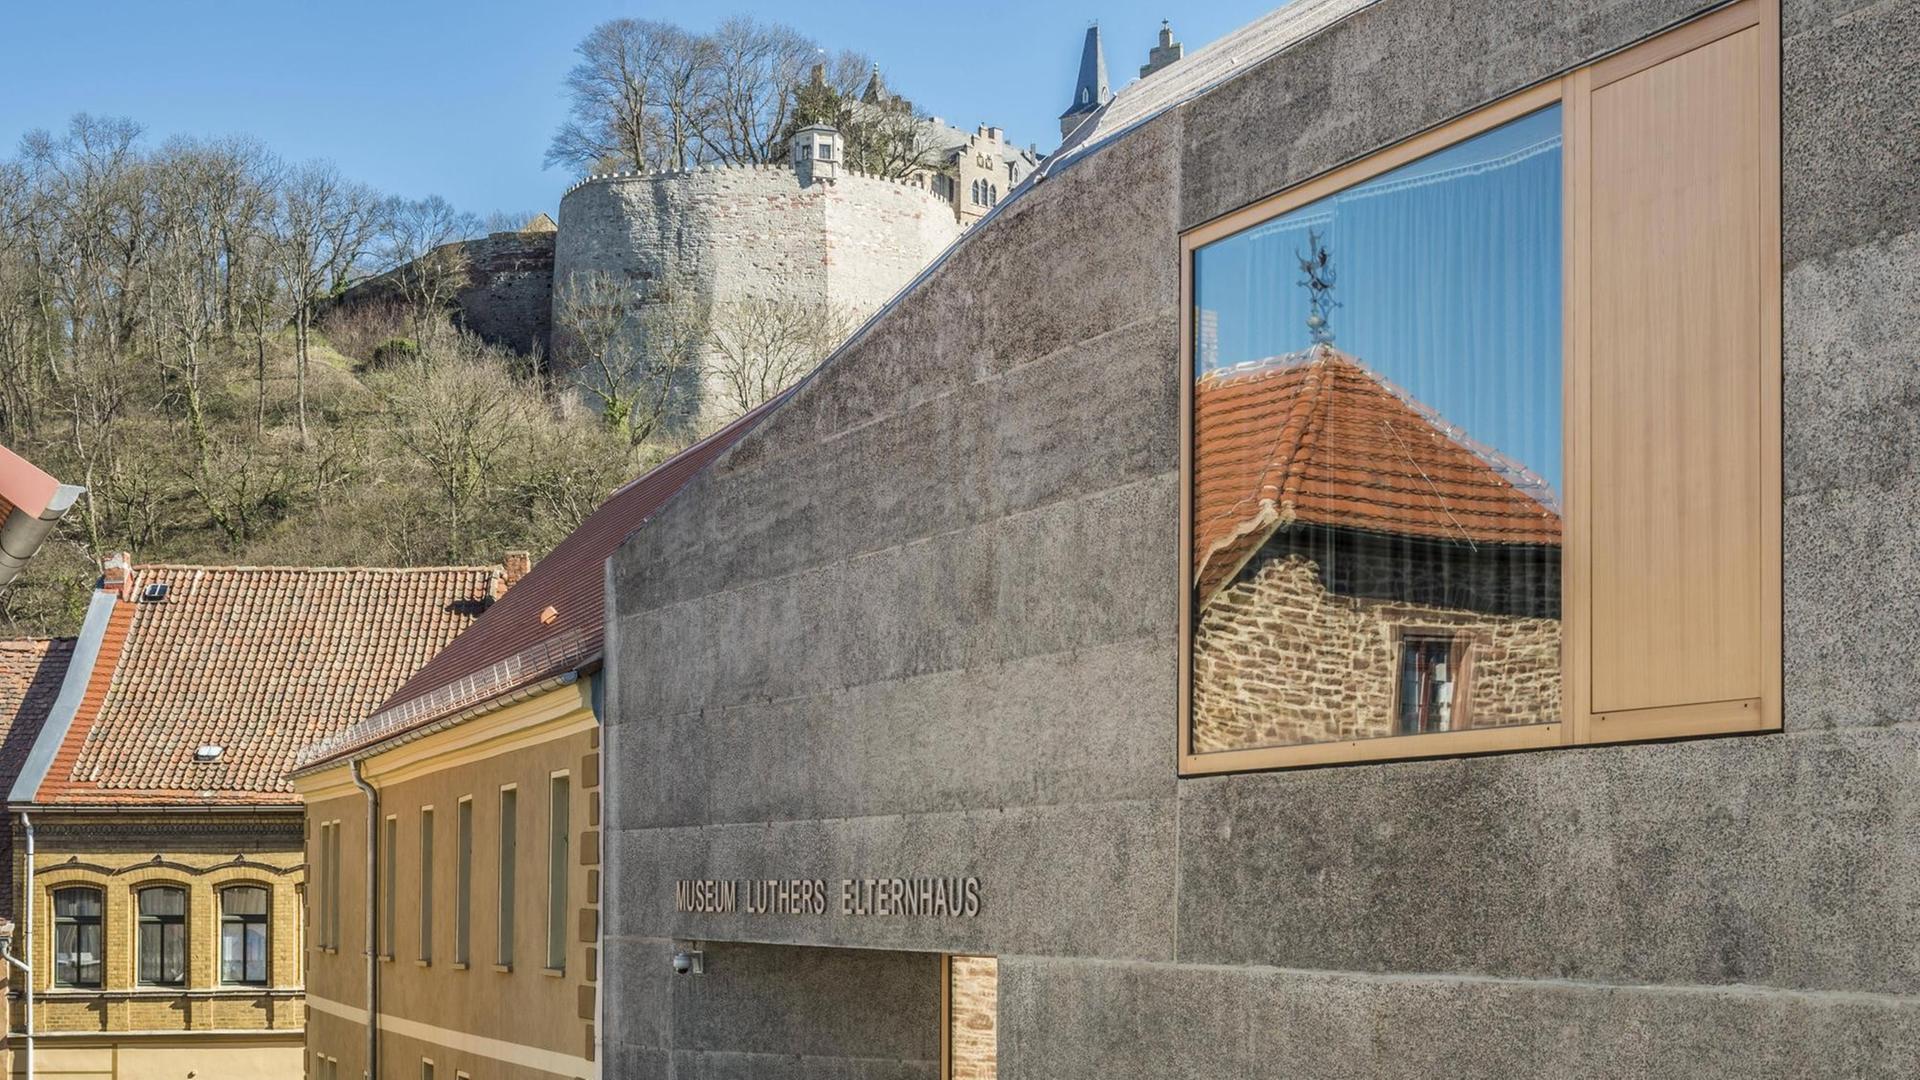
(463, 883)
(559, 866)
(1461, 642)
(506, 870)
(220, 940)
(426, 845)
(142, 920)
(1577, 725)
(55, 920)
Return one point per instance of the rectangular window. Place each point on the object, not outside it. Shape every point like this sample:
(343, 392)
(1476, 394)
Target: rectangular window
(559, 827)
(317, 896)
(243, 935)
(333, 885)
(426, 884)
(163, 935)
(463, 883)
(390, 888)
(426, 1069)
(969, 994)
(1396, 542)
(77, 955)
(509, 839)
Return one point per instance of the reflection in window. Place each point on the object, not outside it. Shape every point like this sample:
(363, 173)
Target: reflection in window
(76, 937)
(243, 935)
(163, 936)
(1377, 455)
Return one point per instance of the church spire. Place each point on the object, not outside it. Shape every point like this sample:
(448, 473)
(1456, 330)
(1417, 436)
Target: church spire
(1092, 90)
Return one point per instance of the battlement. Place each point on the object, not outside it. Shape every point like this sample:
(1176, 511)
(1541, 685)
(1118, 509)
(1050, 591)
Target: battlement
(709, 170)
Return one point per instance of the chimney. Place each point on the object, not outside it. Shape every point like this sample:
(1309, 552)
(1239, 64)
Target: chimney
(117, 577)
(515, 566)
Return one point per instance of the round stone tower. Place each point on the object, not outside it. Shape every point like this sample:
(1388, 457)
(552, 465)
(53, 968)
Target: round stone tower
(839, 241)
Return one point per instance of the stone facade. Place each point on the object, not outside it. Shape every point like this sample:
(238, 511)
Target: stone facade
(844, 245)
(509, 301)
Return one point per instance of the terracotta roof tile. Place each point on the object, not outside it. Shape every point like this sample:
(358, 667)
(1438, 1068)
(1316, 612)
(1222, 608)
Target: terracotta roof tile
(1319, 439)
(256, 660)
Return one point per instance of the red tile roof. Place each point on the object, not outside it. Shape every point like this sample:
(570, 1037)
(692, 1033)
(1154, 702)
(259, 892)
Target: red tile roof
(552, 620)
(31, 671)
(1319, 439)
(258, 661)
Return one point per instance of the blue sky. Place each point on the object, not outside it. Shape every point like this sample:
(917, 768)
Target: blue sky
(1449, 288)
(459, 98)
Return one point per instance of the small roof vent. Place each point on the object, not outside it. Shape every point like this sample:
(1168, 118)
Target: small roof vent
(155, 592)
(209, 752)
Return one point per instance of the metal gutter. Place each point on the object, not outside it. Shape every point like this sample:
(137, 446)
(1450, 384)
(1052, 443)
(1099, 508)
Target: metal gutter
(401, 738)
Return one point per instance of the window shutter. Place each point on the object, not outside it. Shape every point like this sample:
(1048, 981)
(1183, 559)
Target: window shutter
(1681, 515)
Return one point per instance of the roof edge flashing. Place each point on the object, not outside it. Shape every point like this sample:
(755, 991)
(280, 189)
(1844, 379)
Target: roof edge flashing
(73, 689)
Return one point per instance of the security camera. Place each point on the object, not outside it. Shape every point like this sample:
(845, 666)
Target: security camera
(689, 962)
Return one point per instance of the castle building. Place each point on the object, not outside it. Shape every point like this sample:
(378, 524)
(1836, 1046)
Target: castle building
(158, 873)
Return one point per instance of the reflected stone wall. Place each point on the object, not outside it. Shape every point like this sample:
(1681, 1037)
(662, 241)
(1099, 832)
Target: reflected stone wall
(1278, 659)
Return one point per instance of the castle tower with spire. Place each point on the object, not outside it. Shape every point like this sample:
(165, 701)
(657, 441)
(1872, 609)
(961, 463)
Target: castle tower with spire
(1092, 90)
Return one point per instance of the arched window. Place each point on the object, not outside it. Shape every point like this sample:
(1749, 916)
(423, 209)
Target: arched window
(163, 936)
(76, 937)
(243, 935)
(993, 195)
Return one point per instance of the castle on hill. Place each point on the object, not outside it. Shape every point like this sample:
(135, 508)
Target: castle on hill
(808, 232)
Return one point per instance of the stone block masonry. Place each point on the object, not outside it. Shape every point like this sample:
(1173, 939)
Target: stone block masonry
(754, 233)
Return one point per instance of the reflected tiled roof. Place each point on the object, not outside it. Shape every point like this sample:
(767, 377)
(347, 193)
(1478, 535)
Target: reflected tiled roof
(258, 661)
(1321, 440)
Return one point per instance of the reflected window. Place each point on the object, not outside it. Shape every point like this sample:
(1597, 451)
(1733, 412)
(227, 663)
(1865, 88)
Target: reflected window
(243, 935)
(76, 937)
(163, 936)
(1377, 455)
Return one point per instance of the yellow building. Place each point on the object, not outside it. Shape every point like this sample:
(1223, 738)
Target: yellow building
(457, 830)
(158, 868)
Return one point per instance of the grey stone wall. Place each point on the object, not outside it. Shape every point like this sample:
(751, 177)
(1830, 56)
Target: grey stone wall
(509, 300)
(755, 233)
(922, 622)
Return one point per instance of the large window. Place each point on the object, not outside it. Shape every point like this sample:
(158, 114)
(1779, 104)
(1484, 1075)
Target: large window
(559, 826)
(1483, 430)
(506, 872)
(243, 935)
(162, 951)
(76, 937)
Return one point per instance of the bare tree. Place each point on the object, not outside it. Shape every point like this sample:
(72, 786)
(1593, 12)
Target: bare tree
(324, 229)
(757, 68)
(430, 265)
(761, 347)
(459, 416)
(638, 95)
(634, 353)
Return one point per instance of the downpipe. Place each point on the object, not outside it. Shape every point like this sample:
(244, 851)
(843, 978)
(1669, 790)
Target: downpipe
(25, 932)
(371, 905)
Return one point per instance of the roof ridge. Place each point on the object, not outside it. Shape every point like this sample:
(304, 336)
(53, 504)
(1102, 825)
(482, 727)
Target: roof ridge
(281, 569)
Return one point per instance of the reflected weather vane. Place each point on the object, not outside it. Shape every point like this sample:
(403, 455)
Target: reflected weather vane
(1317, 265)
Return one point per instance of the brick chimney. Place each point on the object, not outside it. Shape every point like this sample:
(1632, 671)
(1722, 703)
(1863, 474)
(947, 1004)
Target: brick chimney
(117, 577)
(514, 566)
